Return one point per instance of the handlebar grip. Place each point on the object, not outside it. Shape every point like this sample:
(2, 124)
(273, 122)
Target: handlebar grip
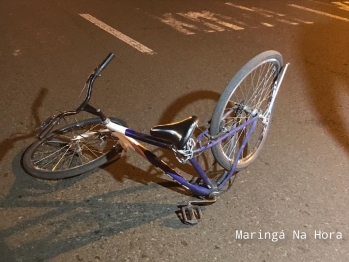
(106, 61)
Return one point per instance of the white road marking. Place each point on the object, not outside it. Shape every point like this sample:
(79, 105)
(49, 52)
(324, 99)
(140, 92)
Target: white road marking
(303, 21)
(176, 24)
(268, 25)
(195, 16)
(213, 22)
(231, 18)
(209, 22)
(269, 14)
(267, 11)
(320, 12)
(240, 7)
(213, 17)
(119, 35)
(287, 22)
(343, 6)
(318, 2)
(203, 16)
(257, 10)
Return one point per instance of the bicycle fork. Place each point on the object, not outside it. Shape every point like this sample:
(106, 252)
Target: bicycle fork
(276, 88)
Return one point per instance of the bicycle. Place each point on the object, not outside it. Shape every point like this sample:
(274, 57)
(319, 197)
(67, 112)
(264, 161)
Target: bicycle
(235, 134)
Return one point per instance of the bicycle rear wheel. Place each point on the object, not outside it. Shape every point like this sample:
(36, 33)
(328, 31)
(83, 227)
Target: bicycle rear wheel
(248, 94)
(72, 150)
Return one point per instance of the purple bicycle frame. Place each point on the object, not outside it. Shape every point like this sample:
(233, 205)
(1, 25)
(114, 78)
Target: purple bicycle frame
(198, 190)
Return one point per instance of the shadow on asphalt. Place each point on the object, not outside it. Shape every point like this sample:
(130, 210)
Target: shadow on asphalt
(178, 105)
(99, 216)
(324, 57)
(7, 144)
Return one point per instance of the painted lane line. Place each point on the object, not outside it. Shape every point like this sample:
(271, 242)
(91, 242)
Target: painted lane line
(318, 2)
(211, 21)
(343, 6)
(195, 16)
(267, 11)
(303, 21)
(182, 27)
(267, 24)
(225, 17)
(202, 17)
(320, 12)
(268, 14)
(119, 35)
(240, 7)
(213, 17)
(287, 22)
(253, 9)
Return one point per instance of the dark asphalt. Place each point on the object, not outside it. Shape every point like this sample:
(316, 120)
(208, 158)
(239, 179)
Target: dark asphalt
(126, 211)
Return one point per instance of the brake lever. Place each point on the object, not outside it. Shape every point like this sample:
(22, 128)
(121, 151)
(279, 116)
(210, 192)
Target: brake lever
(45, 123)
(49, 126)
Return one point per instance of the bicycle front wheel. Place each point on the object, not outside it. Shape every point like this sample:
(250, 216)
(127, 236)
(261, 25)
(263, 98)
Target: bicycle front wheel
(249, 93)
(72, 150)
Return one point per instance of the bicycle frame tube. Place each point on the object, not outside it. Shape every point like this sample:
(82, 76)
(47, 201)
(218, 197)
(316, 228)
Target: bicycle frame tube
(231, 172)
(217, 141)
(155, 161)
(224, 180)
(129, 139)
(130, 135)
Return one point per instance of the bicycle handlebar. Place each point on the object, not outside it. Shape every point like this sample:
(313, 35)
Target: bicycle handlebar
(52, 121)
(48, 125)
(106, 61)
(92, 78)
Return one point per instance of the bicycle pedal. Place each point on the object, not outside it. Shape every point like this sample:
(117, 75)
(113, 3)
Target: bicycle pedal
(191, 214)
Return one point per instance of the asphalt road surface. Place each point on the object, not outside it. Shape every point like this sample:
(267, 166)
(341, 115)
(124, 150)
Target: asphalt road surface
(173, 59)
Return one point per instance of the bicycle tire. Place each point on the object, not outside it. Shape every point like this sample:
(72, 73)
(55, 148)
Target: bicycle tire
(240, 110)
(64, 156)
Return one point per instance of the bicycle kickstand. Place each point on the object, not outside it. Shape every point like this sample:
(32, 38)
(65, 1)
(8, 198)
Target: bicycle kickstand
(191, 213)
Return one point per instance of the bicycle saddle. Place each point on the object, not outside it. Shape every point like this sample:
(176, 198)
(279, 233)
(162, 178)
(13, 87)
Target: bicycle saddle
(177, 133)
